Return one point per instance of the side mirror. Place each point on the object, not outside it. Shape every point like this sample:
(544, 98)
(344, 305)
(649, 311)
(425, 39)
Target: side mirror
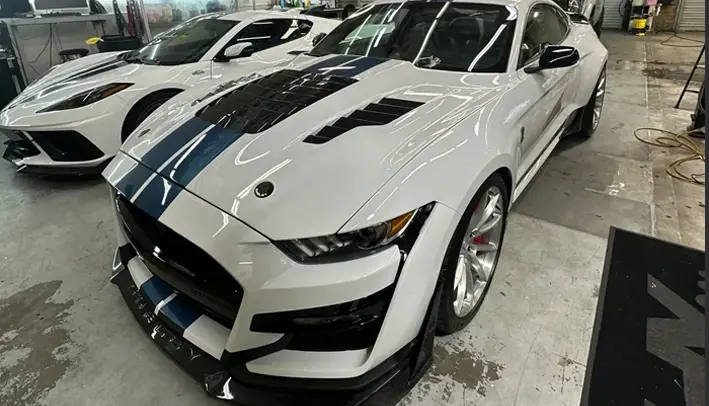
(318, 38)
(240, 50)
(555, 56)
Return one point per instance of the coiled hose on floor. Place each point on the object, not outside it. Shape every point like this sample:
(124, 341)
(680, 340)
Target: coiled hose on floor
(682, 141)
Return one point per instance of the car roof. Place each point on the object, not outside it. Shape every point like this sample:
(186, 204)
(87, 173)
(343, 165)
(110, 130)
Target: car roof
(256, 15)
(520, 5)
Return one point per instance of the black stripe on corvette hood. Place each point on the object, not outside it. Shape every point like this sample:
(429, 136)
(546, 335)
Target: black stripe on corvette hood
(96, 70)
(263, 103)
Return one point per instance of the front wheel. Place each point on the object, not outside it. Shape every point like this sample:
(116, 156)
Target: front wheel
(592, 112)
(143, 109)
(472, 255)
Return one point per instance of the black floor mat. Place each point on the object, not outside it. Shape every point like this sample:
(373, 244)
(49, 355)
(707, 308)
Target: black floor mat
(648, 343)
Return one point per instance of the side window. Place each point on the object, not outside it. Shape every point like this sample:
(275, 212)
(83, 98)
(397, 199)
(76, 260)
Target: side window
(299, 28)
(545, 26)
(264, 34)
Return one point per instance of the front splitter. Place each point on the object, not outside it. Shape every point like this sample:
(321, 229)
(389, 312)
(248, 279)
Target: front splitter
(385, 390)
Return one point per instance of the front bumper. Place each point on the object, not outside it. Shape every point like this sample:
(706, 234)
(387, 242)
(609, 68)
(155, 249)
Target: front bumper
(42, 157)
(384, 385)
(205, 257)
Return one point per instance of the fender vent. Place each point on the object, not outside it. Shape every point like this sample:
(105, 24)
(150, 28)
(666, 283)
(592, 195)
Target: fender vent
(383, 112)
(263, 103)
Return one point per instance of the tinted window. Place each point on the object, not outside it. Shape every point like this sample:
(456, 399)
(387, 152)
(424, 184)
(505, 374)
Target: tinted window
(185, 43)
(545, 26)
(446, 36)
(265, 34)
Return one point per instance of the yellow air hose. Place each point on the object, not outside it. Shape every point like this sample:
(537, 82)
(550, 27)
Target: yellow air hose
(693, 151)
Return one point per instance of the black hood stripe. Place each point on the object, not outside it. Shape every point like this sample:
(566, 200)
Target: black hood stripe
(263, 103)
(345, 65)
(96, 70)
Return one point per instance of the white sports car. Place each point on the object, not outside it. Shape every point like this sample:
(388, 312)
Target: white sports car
(74, 119)
(300, 237)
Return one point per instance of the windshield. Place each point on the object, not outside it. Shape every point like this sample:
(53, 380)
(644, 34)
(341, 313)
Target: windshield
(465, 37)
(185, 43)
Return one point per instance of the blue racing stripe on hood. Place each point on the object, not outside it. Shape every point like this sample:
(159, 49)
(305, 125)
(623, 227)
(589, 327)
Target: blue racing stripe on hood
(157, 196)
(345, 65)
(129, 184)
(163, 187)
(172, 143)
(204, 150)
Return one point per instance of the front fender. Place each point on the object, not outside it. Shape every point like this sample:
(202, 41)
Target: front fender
(594, 58)
(448, 172)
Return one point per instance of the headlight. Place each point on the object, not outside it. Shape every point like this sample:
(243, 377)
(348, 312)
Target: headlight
(576, 6)
(350, 244)
(88, 97)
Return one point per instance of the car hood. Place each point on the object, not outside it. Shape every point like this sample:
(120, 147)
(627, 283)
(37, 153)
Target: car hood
(316, 187)
(73, 77)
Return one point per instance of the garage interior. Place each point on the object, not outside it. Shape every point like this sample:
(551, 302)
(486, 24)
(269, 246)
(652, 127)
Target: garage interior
(67, 338)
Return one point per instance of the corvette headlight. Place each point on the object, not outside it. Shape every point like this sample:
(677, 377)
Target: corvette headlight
(356, 242)
(88, 97)
(576, 6)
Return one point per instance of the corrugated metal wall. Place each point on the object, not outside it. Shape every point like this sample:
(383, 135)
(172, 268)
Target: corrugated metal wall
(611, 16)
(691, 17)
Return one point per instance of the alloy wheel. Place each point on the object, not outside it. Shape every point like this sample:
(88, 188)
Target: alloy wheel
(598, 101)
(478, 254)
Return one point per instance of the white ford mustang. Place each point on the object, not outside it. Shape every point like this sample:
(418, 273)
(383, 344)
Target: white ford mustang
(300, 236)
(74, 119)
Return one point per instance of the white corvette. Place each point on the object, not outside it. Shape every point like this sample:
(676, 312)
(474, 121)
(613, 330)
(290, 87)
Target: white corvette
(74, 119)
(300, 237)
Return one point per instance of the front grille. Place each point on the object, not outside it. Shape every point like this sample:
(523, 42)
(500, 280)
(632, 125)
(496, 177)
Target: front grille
(263, 103)
(383, 112)
(181, 264)
(66, 146)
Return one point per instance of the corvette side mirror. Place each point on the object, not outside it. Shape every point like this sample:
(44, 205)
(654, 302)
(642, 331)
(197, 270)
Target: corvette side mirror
(318, 38)
(555, 56)
(240, 50)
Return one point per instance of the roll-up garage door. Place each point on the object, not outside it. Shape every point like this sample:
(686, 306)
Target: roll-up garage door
(612, 18)
(691, 17)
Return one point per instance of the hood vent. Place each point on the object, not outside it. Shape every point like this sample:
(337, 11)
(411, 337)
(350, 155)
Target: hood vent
(263, 103)
(383, 112)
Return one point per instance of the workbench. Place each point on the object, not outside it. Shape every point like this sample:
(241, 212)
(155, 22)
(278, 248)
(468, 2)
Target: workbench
(29, 50)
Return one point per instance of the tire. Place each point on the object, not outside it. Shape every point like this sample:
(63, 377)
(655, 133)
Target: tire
(143, 109)
(451, 320)
(589, 124)
(598, 27)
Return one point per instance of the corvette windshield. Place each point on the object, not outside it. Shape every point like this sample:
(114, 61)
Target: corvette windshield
(465, 37)
(185, 43)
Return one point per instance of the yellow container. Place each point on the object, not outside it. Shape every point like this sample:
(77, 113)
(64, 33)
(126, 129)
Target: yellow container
(638, 23)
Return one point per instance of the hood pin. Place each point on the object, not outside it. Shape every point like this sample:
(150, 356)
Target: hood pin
(264, 189)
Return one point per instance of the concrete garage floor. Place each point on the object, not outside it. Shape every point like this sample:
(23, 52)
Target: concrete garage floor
(67, 338)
